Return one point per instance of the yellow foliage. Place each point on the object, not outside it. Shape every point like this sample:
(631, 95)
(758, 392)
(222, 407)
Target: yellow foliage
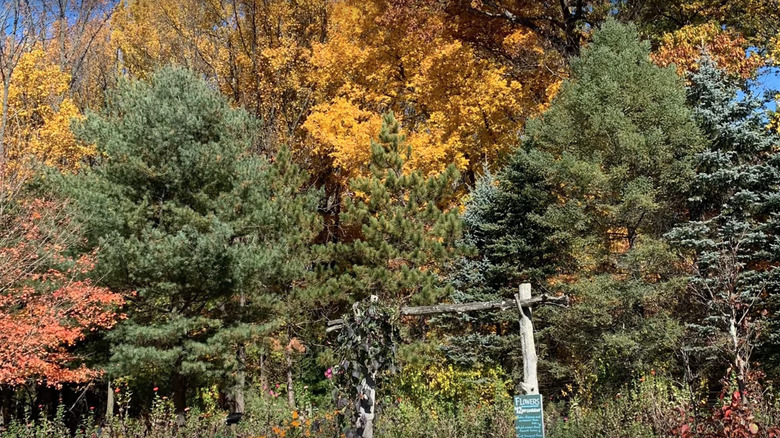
(257, 52)
(343, 132)
(332, 67)
(456, 105)
(429, 384)
(40, 116)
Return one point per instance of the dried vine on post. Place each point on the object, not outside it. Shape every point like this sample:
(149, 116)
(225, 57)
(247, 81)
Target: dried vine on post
(368, 343)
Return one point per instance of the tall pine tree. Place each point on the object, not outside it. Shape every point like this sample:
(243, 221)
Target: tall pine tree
(616, 149)
(208, 236)
(403, 230)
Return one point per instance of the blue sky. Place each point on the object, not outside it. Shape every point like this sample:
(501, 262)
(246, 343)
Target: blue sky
(768, 80)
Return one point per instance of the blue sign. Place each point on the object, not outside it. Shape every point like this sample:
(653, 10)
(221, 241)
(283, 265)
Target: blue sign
(529, 416)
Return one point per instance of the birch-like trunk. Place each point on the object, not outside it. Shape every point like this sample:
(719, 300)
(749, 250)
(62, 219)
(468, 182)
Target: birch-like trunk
(4, 122)
(740, 364)
(366, 408)
(290, 387)
(530, 384)
(109, 401)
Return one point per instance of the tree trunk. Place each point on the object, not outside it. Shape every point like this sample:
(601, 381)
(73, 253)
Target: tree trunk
(740, 364)
(62, 24)
(530, 384)
(6, 401)
(179, 384)
(290, 388)
(109, 401)
(263, 374)
(4, 122)
(240, 382)
(238, 390)
(366, 408)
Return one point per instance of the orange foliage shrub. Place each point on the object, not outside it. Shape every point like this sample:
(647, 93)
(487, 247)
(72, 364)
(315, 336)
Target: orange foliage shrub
(46, 304)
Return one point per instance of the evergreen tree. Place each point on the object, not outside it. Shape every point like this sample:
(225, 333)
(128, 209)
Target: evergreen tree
(617, 143)
(404, 231)
(501, 221)
(726, 238)
(402, 226)
(616, 147)
(208, 236)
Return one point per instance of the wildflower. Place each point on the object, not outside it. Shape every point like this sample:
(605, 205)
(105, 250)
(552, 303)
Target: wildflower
(40, 406)
(295, 415)
(295, 423)
(116, 390)
(652, 372)
(329, 373)
(91, 408)
(155, 389)
(272, 393)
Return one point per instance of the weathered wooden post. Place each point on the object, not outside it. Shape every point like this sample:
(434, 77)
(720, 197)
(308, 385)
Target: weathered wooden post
(529, 412)
(530, 384)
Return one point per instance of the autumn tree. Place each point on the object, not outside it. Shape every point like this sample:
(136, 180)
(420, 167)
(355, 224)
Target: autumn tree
(48, 304)
(204, 231)
(79, 43)
(257, 52)
(22, 23)
(684, 48)
(41, 114)
(457, 105)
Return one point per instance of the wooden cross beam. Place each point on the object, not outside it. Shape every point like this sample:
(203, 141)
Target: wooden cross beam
(337, 324)
(523, 302)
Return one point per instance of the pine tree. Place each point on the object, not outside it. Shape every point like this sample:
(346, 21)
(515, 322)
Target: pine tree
(402, 226)
(209, 237)
(404, 231)
(616, 148)
(726, 238)
(618, 142)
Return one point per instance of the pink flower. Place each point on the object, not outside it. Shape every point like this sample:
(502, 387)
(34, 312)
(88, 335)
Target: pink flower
(155, 389)
(329, 373)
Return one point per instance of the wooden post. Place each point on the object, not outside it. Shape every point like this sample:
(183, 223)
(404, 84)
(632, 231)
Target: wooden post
(530, 384)
(109, 400)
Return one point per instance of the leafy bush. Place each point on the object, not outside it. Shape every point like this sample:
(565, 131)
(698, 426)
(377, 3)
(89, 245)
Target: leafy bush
(653, 407)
